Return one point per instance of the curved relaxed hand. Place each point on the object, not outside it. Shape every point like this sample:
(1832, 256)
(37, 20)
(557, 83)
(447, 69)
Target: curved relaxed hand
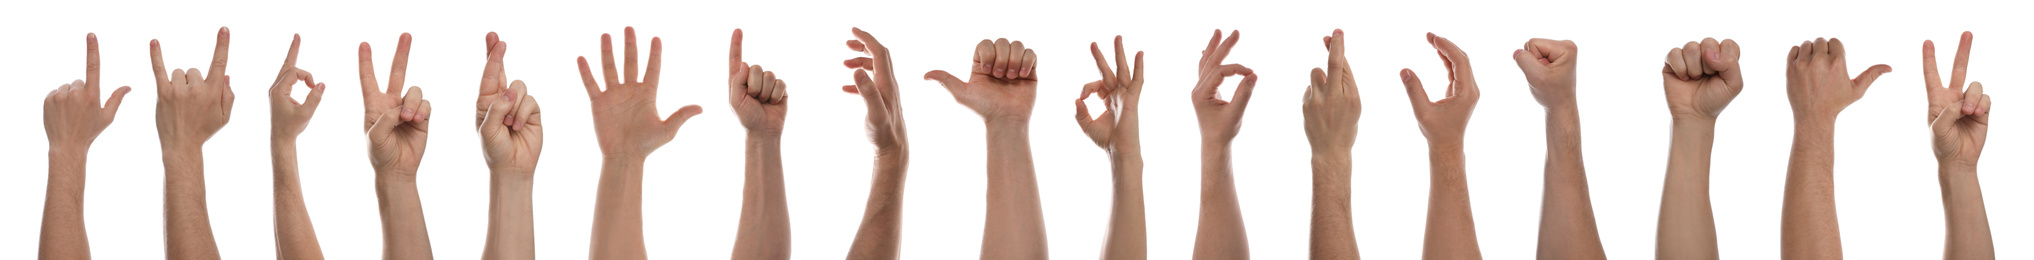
(1445, 119)
(625, 115)
(1959, 116)
(886, 114)
(1220, 120)
(510, 123)
(191, 105)
(1549, 66)
(71, 114)
(1818, 84)
(396, 124)
(1332, 106)
(1119, 89)
(1003, 84)
(756, 94)
(287, 118)
(1702, 77)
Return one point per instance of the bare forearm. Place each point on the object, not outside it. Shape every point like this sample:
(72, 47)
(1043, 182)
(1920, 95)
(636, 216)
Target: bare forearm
(511, 231)
(1126, 215)
(618, 210)
(883, 217)
(1808, 228)
(63, 206)
(1015, 225)
(188, 226)
(1567, 222)
(1970, 233)
(1221, 234)
(765, 229)
(1451, 229)
(295, 237)
(403, 235)
(1333, 236)
(1687, 226)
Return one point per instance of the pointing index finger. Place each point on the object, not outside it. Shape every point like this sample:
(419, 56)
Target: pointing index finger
(218, 73)
(734, 53)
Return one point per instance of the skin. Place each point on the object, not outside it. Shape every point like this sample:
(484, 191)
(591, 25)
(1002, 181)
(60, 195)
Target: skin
(295, 238)
(1116, 133)
(1818, 88)
(511, 138)
(1451, 229)
(758, 99)
(883, 217)
(397, 125)
(1220, 235)
(1959, 118)
(1567, 222)
(190, 107)
(1001, 88)
(1331, 108)
(72, 118)
(625, 119)
(1700, 79)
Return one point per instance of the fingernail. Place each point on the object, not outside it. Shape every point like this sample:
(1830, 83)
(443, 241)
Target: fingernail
(509, 120)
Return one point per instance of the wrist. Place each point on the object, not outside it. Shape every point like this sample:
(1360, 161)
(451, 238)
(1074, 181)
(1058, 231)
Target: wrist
(1007, 122)
(1948, 169)
(387, 177)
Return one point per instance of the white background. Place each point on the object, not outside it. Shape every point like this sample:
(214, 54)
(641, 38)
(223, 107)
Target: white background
(1887, 196)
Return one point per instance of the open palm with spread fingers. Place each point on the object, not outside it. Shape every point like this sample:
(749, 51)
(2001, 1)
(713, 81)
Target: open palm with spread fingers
(1119, 89)
(625, 114)
(1702, 77)
(287, 117)
(756, 94)
(509, 121)
(71, 114)
(1957, 114)
(397, 124)
(1448, 118)
(191, 105)
(1002, 85)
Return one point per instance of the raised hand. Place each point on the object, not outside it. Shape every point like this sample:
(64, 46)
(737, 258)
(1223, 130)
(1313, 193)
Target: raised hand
(295, 237)
(1119, 90)
(1451, 231)
(1332, 105)
(1221, 120)
(1445, 119)
(625, 114)
(886, 112)
(71, 114)
(191, 105)
(1220, 234)
(287, 117)
(397, 124)
(72, 119)
(1002, 85)
(1549, 67)
(1701, 78)
(1959, 116)
(510, 123)
(882, 226)
(756, 94)
(1818, 84)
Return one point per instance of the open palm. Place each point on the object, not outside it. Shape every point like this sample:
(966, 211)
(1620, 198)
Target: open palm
(625, 115)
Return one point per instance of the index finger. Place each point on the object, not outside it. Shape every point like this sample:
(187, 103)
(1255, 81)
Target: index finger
(1338, 65)
(734, 53)
(92, 61)
(155, 58)
(401, 65)
(1962, 60)
(218, 73)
